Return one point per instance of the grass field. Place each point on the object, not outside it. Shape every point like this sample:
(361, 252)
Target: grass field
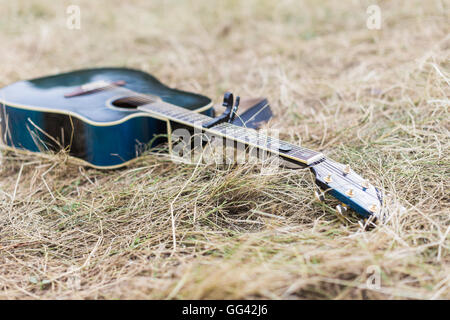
(376, 99)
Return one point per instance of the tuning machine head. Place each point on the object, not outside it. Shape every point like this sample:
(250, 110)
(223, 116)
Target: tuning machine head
(349, 188)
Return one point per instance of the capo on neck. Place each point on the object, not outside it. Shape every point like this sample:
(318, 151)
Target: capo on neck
(230, 112)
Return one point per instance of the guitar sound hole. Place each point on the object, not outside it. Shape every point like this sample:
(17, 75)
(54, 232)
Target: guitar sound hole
(130, 103)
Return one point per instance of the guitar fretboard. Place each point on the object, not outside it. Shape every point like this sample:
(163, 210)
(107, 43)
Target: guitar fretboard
(254, 138)
(243, 135)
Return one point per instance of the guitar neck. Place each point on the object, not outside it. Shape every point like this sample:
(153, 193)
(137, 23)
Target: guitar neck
(337, 179)
(246, 136)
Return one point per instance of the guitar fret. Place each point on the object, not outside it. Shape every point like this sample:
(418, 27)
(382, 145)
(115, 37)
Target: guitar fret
(243, 134)
(257, 139)
(234, 132)
(251, 136)
(176, 113)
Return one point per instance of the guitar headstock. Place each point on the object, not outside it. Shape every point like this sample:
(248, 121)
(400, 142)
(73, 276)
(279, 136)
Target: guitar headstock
(341, 182)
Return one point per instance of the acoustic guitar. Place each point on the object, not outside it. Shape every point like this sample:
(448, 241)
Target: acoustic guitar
(107, 117)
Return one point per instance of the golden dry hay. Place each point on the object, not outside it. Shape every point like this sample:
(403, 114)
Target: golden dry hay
(377, 99)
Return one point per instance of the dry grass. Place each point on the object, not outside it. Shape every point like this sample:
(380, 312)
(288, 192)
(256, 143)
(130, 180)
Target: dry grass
(376, 99)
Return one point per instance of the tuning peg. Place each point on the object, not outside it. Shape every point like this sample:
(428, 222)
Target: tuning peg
(373, 208)
(350, 193)
(319, 196)
(341, 209)
(346, 169)
(365, 184)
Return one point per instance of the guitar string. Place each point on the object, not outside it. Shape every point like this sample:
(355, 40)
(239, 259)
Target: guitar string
(336, 170)
(146, 98)
(325, 164)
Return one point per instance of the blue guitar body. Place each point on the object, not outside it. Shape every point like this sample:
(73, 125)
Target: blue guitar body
(107, 117)
(36, 115)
